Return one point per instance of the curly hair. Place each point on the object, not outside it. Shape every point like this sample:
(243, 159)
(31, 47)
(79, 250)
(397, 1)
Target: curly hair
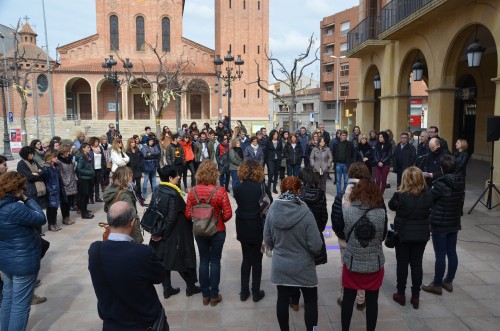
(92, 141)
(251, 169)
(366, 193)
(207, 173)
(11, 182)
(412, 181)
(291, 184)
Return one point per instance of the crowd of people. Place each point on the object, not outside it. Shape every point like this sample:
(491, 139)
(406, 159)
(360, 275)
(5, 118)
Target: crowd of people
(116, 172)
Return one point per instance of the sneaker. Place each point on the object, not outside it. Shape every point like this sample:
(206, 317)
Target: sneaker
(88, 216)
(360, 306)
(257, 296)
(432, 289)
(35, 299)
(447, 286)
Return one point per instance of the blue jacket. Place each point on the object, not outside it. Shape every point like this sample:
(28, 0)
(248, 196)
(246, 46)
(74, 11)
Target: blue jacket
(20, 243)
(151, 157)
(55, 188)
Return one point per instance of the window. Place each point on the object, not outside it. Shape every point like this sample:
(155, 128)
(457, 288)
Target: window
(330, 106)
(329, 30)
(244, 49)
(343, 49)
(113, 33)
(42, 83)
(329, 50)
(344, 89)
(258, 49)
(329, 87)
(258, 93)
(229, 4)
(344, 28)
(139, 34)
(165, 34)
(283, 108)
(328, 68)
(344, 69)
(308, 107)
(244, 93)
(258, 5)
(244, 4)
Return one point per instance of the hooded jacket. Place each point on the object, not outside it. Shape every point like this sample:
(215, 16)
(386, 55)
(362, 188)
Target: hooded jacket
(448, 193)
(291, 231)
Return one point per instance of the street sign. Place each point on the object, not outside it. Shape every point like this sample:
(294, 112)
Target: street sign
(11, 117)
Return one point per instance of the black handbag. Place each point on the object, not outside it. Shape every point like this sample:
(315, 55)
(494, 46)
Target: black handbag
(264, 204)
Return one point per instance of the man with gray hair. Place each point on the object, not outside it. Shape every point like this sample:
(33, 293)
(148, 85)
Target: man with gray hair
(123, 275)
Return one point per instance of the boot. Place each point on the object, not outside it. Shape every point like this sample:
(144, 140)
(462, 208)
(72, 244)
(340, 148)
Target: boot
(68, 221)
(415, 301)
(169, 291)
(91, 201)
(399, 298)
(193, 289)
(274, 190)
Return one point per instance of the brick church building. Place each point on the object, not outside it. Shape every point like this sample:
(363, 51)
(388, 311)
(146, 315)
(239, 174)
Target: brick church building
(84, 100)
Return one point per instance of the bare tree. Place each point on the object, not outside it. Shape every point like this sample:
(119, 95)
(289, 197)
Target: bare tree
(289, 77)
(20, 76)
(169, 79)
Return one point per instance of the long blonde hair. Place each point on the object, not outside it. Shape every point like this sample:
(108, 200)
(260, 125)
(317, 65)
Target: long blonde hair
(412, 181)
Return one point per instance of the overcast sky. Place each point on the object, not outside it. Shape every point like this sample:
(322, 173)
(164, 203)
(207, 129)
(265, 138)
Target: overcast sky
(291, 21)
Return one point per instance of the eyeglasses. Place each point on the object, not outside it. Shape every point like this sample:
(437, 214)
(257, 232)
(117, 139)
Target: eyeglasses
(111, 127)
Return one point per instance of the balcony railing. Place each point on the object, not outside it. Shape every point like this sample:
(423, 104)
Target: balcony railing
(397, 10)
(367, 29)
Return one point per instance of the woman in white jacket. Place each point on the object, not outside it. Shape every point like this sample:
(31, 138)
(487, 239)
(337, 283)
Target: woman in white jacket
(118, 156)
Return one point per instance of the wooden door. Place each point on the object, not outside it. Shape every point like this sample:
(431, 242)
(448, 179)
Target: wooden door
(141, 110)
(85, 106)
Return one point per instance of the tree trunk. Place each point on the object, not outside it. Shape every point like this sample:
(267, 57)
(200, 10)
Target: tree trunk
(291, 110)
(24, 136)
(178, 113)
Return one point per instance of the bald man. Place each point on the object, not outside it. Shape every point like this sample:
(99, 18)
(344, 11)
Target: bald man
(123, 275)
(432, 170)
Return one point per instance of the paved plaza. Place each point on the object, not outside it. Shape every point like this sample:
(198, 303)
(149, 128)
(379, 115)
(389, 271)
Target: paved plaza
(474, 304)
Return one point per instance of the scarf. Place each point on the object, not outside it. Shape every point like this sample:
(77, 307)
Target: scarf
(39, 184)
(239, 151)
(66, 160)
(254, 148)
(175, 187)
(289, 196)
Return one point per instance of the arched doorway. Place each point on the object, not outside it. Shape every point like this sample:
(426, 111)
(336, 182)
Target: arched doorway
(141, 103)
(106, 100)
(368, 118)
(198, 99)
(78, 99)
(465, 110)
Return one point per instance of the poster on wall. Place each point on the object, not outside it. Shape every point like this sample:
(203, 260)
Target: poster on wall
(15, 140)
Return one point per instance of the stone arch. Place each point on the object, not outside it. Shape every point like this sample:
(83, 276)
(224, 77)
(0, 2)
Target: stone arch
(198, 99)
(106, 100)
(140, 104)
(78, 99)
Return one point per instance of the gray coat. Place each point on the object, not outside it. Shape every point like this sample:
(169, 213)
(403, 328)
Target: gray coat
(364, 259)
(234, 160)
(291, 231)
(321, 159)
(68, 176)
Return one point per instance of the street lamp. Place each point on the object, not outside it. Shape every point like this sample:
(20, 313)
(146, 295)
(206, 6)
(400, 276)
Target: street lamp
(474, 53)
(338, 119)
(112, 77)
(229, 77)
(4, 84)
(418, 69)
(376, 82)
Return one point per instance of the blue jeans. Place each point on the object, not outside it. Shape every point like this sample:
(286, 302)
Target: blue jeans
(16, 302)
(210, 249)
(151, 177)
(235, 180)
(224, 180)
(293, 170)
(445, 245)
(340, 170)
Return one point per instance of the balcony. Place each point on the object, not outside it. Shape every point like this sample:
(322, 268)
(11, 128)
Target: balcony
(328, 39)
(364, 36)
(327, 96)
(327, 77)
(402, 17)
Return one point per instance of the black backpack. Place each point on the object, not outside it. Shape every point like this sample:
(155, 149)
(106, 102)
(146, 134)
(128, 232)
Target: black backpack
(364, 230)
(153, 220)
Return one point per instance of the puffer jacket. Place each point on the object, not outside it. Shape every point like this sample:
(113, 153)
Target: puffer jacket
(448, 193)
(118, 159)
(461, 161)
(84, 169)
(412, 215)
(54, 184)
(383, 153)
(321, 159)
(356, 257)
(292, 155)
(220, 202)
(315, 199)
(136, 162)
(20, 242)
(68, 174)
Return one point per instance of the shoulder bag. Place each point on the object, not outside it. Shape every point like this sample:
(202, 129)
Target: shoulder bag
(160, 324)
(264, 204)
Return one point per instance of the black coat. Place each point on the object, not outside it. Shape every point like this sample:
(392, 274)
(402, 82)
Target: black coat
(404, 157)
(337, 217)
(412, 215)
(292, 155)
(136, 162)
(248, 227)
(24, 170)
(432, 164)
(274, 153)
(383, 153)
(448, 192)
(349, 152)
(365, 150)
(315, 199)
(461, 160)
(131, 271)
(176, 249)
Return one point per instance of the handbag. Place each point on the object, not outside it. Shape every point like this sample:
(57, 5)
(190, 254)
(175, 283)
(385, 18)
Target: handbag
(153, 221)
(160, 323)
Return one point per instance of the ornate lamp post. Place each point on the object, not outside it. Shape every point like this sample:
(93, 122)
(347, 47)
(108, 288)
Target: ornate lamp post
(4, 84)
(229, 77)
(112, 77)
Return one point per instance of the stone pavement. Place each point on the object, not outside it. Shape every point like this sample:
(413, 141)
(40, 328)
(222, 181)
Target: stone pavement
(474, 304)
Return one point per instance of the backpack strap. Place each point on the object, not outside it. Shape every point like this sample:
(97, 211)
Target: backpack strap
(355, 224)
(196, 196)
(212, 194)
